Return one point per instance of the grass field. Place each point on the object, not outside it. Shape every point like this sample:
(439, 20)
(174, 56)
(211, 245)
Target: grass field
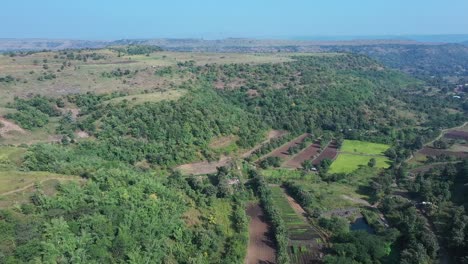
(80, 76)
(347, 163)
(11, 156)
(43, 134)
(362, 147)
(14, 180)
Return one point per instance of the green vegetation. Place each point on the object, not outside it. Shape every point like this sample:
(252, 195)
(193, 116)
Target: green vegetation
(149, 97)
(112, 195)
(362, 147)
(347, 163)
(33, 112)
(296, 225)
(355, 154)
(137, 49)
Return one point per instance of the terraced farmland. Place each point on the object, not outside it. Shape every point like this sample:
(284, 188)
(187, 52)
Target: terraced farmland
(282, 152)
(329, 152)
(306, 154)
(305, 243)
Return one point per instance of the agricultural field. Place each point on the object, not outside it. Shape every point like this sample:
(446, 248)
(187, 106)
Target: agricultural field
(16, 187)
(362, 147)
(456, 140)
(305, 242)
(308, 153)
(329, 152)
(354, 154)
(282, 152)
(456, 134)
(347, 163)
(10, 156)
(298, 229)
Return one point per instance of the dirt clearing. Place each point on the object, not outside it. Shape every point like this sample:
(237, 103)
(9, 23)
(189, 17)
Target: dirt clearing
(7, 127)
(203, 167)
(261, 246)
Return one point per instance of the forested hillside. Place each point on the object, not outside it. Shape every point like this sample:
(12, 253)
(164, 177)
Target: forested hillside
(419, 60)
(131, 204)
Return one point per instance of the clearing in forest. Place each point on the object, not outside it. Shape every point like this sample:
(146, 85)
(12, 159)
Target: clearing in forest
(203, 167)
(149, 97)
(17, 187)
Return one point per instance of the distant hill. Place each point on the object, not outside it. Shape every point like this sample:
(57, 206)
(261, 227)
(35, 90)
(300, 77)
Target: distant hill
(416, 58)
(48, 44)
(420, 60)
(224, 45)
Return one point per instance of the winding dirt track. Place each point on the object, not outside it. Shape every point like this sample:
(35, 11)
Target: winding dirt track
(261, 247)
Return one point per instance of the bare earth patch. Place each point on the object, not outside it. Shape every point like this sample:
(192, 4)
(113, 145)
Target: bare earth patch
(261, 246)
(81, 134)
(222, 142)
(8, 127)
(203, 167)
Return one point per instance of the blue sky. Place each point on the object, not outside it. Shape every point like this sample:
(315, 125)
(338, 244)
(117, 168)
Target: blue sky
(105, 19)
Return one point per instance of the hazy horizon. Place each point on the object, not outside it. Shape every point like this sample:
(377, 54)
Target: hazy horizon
(209, 19)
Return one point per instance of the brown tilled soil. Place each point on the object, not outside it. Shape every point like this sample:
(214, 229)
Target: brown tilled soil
(329, 153)
(428, 151)
(455, 134)
(426, 168)
(282, 151)
(261, 246)
(308, 153)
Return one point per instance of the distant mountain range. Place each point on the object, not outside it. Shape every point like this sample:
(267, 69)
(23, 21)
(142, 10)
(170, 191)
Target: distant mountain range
(224, 45)
(232, 44)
